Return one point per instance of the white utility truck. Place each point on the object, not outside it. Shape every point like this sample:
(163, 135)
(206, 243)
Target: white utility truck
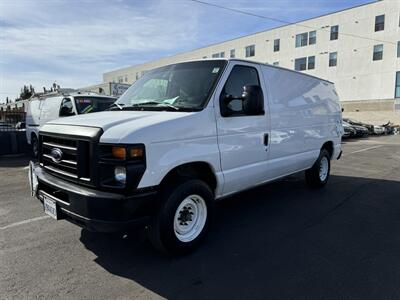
(181, 137)
(55, 105)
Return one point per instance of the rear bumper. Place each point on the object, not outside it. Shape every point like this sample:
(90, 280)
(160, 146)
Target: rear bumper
(96, 210)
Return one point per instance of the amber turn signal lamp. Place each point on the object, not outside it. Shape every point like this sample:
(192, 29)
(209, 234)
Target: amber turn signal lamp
(136, 152)
(119, 152)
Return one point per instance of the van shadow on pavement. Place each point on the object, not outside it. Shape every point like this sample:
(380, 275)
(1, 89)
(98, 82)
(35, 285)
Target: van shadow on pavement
(15, 161)
(279, 241)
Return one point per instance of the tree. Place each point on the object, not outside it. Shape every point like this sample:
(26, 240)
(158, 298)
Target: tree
(26, 92)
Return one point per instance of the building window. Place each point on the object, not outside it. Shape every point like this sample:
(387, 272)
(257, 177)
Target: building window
(380, 23)
(204, 57)
(137, 75)
(277, 45)
(300, 64)
(232, 53)
(312, 37)
(398, 49)
(126, 78)
(378, 52)
(301, 39)
(250, 50)
(276, 63)
(397, 90)
(334, 32)
(218, 55)
(333, 59)
(120, 79)
(311, 62)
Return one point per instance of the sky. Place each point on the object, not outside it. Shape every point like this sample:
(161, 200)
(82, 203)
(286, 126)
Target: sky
(73, 42)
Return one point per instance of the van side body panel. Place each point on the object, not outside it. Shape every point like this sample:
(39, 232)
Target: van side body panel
(33, 119)
(50, 109)
(305, 113)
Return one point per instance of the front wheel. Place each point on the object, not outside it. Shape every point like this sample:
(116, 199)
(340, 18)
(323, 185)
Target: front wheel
(317, 176)
(183, 218)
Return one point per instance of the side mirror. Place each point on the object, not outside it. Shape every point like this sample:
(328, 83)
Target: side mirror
(253, 100)
(66, 112)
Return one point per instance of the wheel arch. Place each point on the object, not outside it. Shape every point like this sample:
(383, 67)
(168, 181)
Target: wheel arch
(328, 146)
(198, 169)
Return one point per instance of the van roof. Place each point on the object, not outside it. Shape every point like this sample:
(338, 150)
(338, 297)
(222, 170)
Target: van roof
(254, 62)
(68, 94)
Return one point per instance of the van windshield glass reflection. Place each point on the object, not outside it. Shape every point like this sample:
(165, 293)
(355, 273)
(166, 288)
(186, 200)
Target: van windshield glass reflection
(177, 87)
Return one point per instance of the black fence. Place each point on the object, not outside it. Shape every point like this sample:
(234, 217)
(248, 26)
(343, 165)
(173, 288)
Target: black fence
(12, 120)
(12, 132)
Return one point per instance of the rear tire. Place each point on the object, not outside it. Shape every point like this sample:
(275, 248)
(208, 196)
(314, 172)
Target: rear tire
(183, 218)
(35, 146)
(318, 175)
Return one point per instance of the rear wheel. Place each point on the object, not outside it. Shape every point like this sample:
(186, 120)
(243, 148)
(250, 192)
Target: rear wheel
(35, 146)
(317, 176)
(183, 218)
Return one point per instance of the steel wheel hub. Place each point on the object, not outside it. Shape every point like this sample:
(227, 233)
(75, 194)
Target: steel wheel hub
(190, 218)
(323, 168)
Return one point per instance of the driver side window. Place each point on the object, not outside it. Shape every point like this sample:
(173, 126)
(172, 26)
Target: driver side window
(238, 78)
(66, 108)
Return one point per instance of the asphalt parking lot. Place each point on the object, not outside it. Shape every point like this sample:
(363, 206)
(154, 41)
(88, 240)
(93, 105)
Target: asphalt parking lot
(279, 241)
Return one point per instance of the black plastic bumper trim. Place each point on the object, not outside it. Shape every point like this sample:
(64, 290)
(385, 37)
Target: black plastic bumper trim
(98, 210)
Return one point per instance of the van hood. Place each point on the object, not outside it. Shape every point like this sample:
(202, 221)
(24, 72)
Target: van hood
(145, 126)
(107, 119)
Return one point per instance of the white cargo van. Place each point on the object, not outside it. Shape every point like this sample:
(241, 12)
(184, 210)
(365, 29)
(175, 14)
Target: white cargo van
(181, 137)
(49, 107)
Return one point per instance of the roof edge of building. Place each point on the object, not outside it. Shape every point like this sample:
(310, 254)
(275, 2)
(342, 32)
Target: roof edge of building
(243, 36)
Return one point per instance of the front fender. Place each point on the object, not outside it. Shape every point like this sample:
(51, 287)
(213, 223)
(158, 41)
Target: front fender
(165, 156)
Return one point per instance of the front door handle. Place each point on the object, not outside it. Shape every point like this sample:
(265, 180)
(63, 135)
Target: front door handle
(266, 138)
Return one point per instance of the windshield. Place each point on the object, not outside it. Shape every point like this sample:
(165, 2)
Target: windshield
(85, 105)
(177, 87)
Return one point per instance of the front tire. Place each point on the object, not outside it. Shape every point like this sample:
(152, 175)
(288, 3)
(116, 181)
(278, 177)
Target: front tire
(183, 218)
(317, 176)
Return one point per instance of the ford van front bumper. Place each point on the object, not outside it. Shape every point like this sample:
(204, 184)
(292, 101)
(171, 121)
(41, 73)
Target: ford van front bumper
(93, 209)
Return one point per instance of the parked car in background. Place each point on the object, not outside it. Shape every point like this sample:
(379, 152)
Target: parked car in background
(361, 131)
(353, 122)
(379, 130)
(349, 131)
(181, 137)
(389, 127)
(354, 130)
(44, 109)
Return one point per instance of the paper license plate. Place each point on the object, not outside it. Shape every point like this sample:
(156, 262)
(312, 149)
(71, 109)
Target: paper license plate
(50, 207)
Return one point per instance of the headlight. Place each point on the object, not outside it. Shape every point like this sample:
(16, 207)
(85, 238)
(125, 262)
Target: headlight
(120, 174)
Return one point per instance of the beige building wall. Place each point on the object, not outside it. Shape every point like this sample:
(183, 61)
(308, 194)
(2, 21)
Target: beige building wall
(357, 76)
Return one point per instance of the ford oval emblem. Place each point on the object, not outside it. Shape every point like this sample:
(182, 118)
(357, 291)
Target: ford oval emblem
(56, 155)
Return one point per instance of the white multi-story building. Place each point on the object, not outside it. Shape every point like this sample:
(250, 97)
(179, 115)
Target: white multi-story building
(358, 49)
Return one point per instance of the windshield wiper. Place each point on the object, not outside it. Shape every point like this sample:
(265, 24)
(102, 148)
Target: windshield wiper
(159, 104)
(120, 106)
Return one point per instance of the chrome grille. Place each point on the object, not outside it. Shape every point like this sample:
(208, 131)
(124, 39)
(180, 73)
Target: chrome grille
(74, 160)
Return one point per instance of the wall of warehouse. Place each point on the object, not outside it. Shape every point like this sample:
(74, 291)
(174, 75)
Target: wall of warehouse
(356, 75)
